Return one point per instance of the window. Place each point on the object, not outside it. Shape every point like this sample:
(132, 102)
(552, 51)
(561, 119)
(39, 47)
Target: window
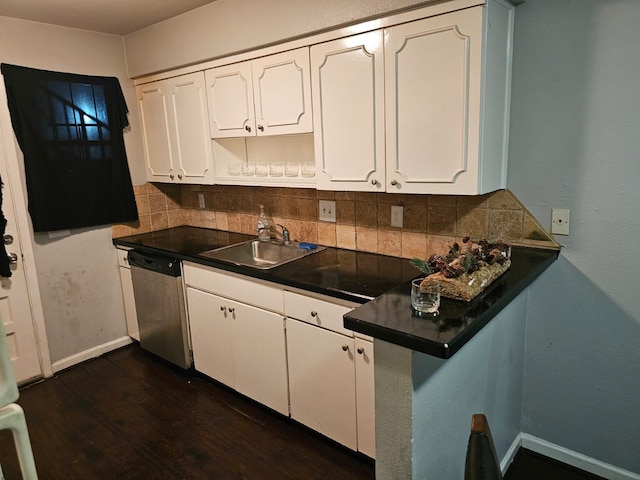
(70, 130)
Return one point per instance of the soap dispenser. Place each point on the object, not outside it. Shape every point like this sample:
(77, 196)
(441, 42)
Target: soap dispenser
(263, 226)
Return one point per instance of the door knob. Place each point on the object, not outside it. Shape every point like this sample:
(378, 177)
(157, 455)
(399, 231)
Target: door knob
(7, 239)
(247, 128)
(13, 258)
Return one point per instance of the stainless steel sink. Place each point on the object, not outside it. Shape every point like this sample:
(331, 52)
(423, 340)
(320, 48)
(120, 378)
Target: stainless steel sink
(257, 254)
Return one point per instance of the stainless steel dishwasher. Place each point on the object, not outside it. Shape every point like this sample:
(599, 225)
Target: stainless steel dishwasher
(162, 320)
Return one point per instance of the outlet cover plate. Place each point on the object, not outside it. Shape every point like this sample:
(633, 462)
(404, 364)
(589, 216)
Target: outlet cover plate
(327, 211)
(560, 221)
(396, 216)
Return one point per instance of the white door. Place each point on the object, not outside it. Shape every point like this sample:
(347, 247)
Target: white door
(15, 309)
(348, 107)
(153, 102)
(282, 93)
(432, 83)
(191, 120)
(230, 97)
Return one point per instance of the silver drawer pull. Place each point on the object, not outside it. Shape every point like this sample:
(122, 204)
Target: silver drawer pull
(345, 348)
(7, 239)
(314, 313)
(222, 308)
(231, 309)
(360, 350)
(13, 258)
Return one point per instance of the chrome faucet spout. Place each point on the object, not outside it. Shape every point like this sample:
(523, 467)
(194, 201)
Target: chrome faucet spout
(286, 239)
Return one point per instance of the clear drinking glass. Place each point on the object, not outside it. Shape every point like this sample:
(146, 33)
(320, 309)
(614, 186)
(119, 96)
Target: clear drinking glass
(291, 169)
(308, 170)
(425, 298)
(262, 169)
(275, 169)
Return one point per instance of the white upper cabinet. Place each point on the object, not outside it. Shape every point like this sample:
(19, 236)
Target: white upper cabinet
(266, 96)
(446, 98)
(348, 110)
(174, 129)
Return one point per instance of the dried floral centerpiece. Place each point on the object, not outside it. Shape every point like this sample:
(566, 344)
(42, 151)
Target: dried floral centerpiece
(466, 271)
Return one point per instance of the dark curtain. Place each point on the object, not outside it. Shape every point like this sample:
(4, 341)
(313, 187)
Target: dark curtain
(70, 130)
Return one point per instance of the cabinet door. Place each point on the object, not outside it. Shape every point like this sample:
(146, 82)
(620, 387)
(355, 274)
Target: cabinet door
(282, 93)
(348, 108)
(322, 381)
(127, 293)
(432, 82)
(365, 397)
(154, 104)
(259, 355)
(209, 322)
(192, 140)
(230, 97)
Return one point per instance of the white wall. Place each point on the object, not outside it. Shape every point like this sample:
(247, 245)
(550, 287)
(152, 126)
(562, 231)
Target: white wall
(575, 143)
(78, 276)
(231, 26)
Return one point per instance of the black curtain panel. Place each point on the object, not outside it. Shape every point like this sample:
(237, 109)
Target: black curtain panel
(70, 130)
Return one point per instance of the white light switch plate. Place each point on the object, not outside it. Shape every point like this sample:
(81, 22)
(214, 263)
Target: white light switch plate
(327, 211)
(396, 216)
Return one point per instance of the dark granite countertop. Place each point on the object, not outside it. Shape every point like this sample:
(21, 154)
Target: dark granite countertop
(391, 318)
(379, 282)
(346, 274)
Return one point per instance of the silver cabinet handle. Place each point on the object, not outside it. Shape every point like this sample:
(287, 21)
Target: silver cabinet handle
(222, 308)
(314, 313)
(13, 258)
(360, 350)
(231, 309)
(394, 182)
(180, 176)
(7, 239)
(247, 128)
(261, 128)
(345, 348)
(171, 176)
(374, 181)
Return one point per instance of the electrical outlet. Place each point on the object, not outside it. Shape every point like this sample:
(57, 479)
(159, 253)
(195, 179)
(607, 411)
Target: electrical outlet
(201, 200)
(327, 211)
(560, 221)
(396, 216)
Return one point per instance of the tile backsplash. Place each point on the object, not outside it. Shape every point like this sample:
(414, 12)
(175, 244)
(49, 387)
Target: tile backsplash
(363, 220)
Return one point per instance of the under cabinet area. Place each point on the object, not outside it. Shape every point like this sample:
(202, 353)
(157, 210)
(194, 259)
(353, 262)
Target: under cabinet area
(265, 96)
(284, 349)
(174, 121)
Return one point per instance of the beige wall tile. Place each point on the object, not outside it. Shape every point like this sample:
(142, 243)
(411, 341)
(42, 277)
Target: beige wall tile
(346, 212)
(327, 234)
(118, 231)
(414, 217)
(473, 223)
(503, 200)
(346, 236)
(441, 221)
(143, 225)
(159, 220)
(367, 239)
(414, 245)
(157, 202)
(505, 225)
(221, 221)
(142, 202)
(438, 244)
(367, 213)
(390, 242)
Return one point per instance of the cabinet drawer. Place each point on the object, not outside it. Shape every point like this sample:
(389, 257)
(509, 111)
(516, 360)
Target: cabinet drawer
(316, 312)
(228, 285)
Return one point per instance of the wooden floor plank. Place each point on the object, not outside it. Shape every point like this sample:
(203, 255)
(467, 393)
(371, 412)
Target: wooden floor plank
(126, 415)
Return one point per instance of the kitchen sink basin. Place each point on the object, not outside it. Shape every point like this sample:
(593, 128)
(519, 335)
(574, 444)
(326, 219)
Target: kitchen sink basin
(257, 254)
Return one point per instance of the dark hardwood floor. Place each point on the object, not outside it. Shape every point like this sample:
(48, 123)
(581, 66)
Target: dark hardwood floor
(528, 465)
(127, 416)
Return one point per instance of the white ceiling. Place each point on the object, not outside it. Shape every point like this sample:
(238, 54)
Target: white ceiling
(118, 17)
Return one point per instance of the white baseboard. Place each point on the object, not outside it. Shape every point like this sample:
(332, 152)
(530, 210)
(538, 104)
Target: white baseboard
(511, 453)
(575, 459)
(90, 353)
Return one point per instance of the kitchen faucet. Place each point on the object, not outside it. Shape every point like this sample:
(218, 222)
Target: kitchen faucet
(284, 235)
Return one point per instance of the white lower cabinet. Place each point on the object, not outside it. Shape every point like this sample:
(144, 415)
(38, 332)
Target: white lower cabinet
(322, 382)
(306, 365)
(130, 313)
(240, 345)
(331, 382)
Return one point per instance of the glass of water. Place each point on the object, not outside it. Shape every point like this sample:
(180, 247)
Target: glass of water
(425, 297)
